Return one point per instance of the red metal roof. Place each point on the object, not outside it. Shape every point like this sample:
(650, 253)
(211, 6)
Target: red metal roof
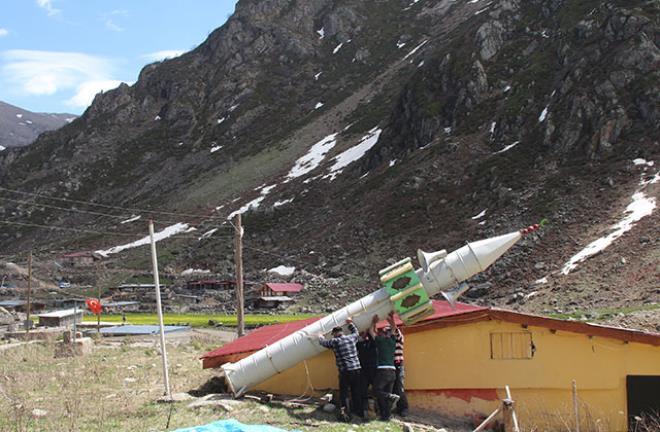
(260, 338)
(268, 335)
(285, 287)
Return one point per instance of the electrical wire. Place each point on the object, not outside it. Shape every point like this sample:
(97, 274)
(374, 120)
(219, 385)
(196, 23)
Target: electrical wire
(128, 209)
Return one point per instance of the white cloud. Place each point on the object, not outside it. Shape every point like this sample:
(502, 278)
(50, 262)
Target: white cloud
(87, 90)
(48, 6)
(162, 55)
(50, 72)
(3, 32)
(111, 25)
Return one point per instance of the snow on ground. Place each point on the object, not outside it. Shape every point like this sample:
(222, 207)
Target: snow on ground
(640, 207)
(321, 32)
(133, 218)
(420, 64)
(233, 108)
(283, 202)
(316, 77)
(507, 148)
(492, 127)
(392, 162)
(414, 50)
(254, 203)
(160, 235)
(400, 44)
(507, 89)
(650, 180)
(337, 48)
(319, 105)
(543, 280)
(2, 148)
(640, 161)
(313, 157)
(480, 215)
(220, 120)
(283, 270)
(191, 271)
(28, 122)
(482, 10)
(544, 114)
(215, 148)
(482, 223)
(354, 153)
(208, 234)
(19, 115)
(157, 118)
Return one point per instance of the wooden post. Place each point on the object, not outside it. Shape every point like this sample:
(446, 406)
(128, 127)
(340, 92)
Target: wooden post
(238, 260)
(509, 413)
(29, 292)
(575, 407)
(154, 262)
(490, 418)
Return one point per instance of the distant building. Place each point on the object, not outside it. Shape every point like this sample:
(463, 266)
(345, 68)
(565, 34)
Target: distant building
(120, 306)
(21, 305)
(280, 289)
(274, 294)
(210, 284)
(78, 259)
(61, 318)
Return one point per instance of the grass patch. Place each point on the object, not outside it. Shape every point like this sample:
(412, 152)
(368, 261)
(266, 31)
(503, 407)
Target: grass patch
(200, 320)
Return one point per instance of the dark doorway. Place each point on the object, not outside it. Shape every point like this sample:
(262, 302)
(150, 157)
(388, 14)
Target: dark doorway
(643, 397)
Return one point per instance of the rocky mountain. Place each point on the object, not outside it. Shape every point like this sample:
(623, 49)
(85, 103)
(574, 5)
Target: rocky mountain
(19, 127)
(350, 133)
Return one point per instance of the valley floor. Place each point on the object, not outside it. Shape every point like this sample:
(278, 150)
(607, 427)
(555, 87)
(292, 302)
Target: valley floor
(115, 388)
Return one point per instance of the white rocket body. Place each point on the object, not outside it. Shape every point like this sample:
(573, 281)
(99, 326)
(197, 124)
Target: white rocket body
(442, 274)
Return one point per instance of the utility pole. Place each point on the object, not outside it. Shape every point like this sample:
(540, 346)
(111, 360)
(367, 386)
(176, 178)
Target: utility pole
(154, 261)
(238, 260)
(29, 292)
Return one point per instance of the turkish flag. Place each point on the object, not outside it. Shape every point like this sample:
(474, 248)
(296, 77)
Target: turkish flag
(94, 306)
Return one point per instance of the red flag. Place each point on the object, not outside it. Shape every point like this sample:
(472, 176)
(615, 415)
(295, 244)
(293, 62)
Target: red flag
(94, 306)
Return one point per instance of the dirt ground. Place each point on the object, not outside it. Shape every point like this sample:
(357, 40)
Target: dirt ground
(115, 388)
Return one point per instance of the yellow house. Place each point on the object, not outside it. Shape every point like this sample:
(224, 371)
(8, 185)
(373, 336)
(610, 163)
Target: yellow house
(459, 361)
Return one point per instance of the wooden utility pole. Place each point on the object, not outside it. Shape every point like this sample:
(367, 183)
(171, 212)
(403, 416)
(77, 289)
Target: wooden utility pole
(238, 260)
(29, 292)
(154, 262)
(576, 411)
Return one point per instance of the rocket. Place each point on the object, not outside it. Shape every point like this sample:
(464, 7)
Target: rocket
(405, 291)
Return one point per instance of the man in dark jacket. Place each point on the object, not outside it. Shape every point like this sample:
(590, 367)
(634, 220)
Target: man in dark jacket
(368, 361)
(386, 372)
(348, 365)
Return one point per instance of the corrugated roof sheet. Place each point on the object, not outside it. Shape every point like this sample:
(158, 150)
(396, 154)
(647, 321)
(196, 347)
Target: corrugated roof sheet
(128, 330)
(61, 313)
(285, 287)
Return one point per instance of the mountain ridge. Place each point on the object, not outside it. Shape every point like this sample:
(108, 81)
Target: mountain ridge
(529, 110)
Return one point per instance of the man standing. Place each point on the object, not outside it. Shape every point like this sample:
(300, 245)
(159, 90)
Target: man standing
(348, 365)
(386, 372)
(399, 390)
(368, 355)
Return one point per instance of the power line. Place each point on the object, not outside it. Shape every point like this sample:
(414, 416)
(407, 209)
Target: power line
(51, 227)
(133, 210)
(36, 204)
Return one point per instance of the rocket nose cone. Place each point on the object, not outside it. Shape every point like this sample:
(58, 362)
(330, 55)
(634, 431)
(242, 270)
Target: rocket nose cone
(487, 251)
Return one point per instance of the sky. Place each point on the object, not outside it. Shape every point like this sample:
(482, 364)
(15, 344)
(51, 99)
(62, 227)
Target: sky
(55, 55)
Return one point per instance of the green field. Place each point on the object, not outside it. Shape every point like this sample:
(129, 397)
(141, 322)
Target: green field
(199, 320)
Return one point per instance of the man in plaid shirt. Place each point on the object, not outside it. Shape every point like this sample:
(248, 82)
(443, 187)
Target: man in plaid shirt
(348, 365)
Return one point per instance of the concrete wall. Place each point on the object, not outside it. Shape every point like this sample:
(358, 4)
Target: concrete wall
(450, 371)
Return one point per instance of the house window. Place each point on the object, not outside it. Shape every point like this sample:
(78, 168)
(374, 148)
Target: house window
(511, 346)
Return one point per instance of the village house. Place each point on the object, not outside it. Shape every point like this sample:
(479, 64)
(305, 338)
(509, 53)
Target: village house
(60, 318)
(458, 362)
(274, 294)
(21, 305)
(78, 259)
(210, 284)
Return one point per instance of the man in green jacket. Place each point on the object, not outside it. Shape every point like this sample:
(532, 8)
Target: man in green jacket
(386, 371)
